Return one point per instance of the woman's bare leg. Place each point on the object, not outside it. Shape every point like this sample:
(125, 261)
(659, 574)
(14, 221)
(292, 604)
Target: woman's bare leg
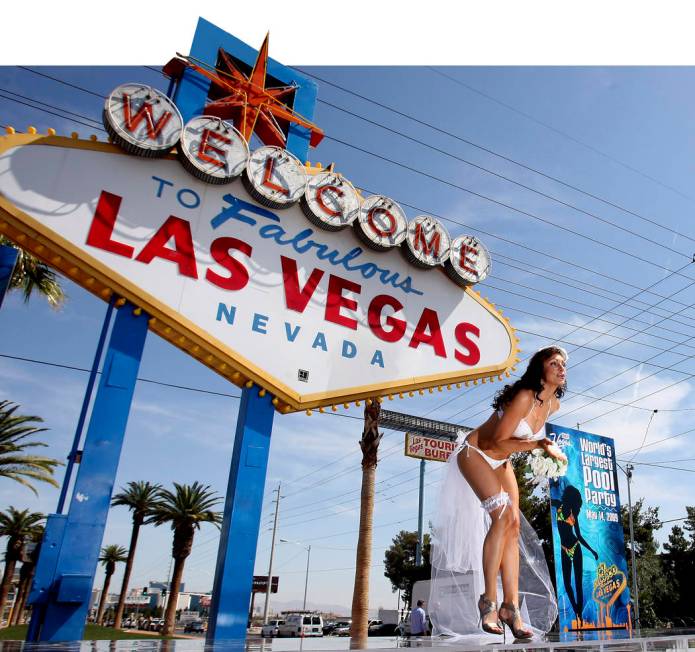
(487, 482)
(510, 552)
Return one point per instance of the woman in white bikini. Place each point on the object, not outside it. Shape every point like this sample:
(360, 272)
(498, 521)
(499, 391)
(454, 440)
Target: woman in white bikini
(471, 546)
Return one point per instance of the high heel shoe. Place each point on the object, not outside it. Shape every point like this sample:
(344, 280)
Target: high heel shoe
(519, 633)
(486, 607)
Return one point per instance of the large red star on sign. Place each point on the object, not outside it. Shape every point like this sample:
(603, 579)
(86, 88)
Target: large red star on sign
(248, 103)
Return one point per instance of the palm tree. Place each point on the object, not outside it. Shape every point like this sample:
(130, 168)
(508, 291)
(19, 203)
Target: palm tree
(360, 593)
(110, 556)
(139, 497)
(14, 463)
(30, 275)
(26, 575)
(18, 526)
(185, 508)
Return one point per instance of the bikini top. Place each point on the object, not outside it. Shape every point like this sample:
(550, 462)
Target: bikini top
(523, 430)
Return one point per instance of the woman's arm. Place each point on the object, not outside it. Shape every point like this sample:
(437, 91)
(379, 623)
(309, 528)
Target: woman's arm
(582, 540)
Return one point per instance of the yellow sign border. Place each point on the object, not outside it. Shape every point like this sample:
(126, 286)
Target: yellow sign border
(97, 278)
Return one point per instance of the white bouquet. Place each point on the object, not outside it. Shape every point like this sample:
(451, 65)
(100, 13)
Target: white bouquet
(544, 467)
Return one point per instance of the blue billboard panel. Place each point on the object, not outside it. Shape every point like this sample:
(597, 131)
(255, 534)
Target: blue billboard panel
(589, 549)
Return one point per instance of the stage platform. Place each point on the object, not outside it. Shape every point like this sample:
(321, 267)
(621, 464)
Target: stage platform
(652, 641)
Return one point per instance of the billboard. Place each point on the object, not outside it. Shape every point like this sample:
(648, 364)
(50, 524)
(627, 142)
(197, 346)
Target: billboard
(247, 284)
(260, 584)
(428, 448)
(588, 543)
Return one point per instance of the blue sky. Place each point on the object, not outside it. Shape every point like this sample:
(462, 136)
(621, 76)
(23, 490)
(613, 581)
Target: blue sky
(624, 135)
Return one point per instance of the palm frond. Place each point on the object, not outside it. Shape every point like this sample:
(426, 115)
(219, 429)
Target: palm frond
(14, 463)
(32, 275)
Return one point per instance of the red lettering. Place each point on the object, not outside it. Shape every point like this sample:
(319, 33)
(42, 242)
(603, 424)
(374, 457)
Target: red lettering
(397, 326)
(206, 146)
(378, 230)
(238, 274)
(182, 254)
(429, 322)
(297, 298)
(472, 355)
(101, 229)
(320, 201)
(428, 248)
(267, 177)
(335, 301)
(465, 261)
(144, 112)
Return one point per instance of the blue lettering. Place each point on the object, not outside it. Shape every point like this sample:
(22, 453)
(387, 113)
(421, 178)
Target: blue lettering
(162, 183)
(301, 242)
(233, 212)
(227, 313)
(349, 349)
(378, 358)
(260, 323)
(320, 342)
(291, 334)
(187, 191)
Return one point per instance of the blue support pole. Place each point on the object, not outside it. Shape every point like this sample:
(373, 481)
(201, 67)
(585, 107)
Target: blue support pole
(72, 456)
(62, 596)
(8, 258)
(236, 555)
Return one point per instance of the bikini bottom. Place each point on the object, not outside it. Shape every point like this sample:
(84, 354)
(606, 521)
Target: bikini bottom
(571, 550)
(500, 499)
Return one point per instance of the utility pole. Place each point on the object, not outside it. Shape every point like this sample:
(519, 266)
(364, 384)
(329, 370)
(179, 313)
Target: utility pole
(628, 473)
(272, 553)
(306, 580)
(421, 500)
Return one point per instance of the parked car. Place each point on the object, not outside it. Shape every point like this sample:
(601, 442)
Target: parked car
(195, 627)
(270, 629)
(156, 624)
(328, 627)
(301, 624)
(385, 629)
(342, 628)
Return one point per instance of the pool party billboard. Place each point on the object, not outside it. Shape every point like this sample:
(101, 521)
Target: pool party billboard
(588, 540)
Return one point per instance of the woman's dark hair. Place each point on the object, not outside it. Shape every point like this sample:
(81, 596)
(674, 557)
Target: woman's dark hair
(532, 379)
(571, 500)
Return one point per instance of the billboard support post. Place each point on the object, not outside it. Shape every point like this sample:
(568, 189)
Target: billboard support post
(421, 500)
(242, 514)
(66, 569)
(8, 259)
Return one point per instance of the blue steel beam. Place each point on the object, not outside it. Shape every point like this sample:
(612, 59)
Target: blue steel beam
(236, 554)
(65, 596)
(8, 258)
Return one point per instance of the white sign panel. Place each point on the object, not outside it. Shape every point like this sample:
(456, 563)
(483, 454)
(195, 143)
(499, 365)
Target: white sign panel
(428, 448)
(259, 294)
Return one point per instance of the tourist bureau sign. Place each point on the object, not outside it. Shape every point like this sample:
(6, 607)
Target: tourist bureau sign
(259, 294)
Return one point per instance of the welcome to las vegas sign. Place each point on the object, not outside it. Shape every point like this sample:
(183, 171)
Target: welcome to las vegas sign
(244, 276)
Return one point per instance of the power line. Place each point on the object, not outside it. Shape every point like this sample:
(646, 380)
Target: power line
(562, 133)
(482, 168)
(490, 151)
(503, 204)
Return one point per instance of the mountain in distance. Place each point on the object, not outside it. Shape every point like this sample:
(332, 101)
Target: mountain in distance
(295, 605)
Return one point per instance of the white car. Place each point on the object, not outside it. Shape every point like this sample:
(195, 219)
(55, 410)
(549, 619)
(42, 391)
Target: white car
(270, 629)
(301, 624)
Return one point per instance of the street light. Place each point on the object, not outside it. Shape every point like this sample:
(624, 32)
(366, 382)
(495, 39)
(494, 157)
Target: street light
(628, 474)
(308, 556)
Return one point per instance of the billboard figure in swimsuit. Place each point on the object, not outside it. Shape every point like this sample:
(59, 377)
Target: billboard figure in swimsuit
(571, 541)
